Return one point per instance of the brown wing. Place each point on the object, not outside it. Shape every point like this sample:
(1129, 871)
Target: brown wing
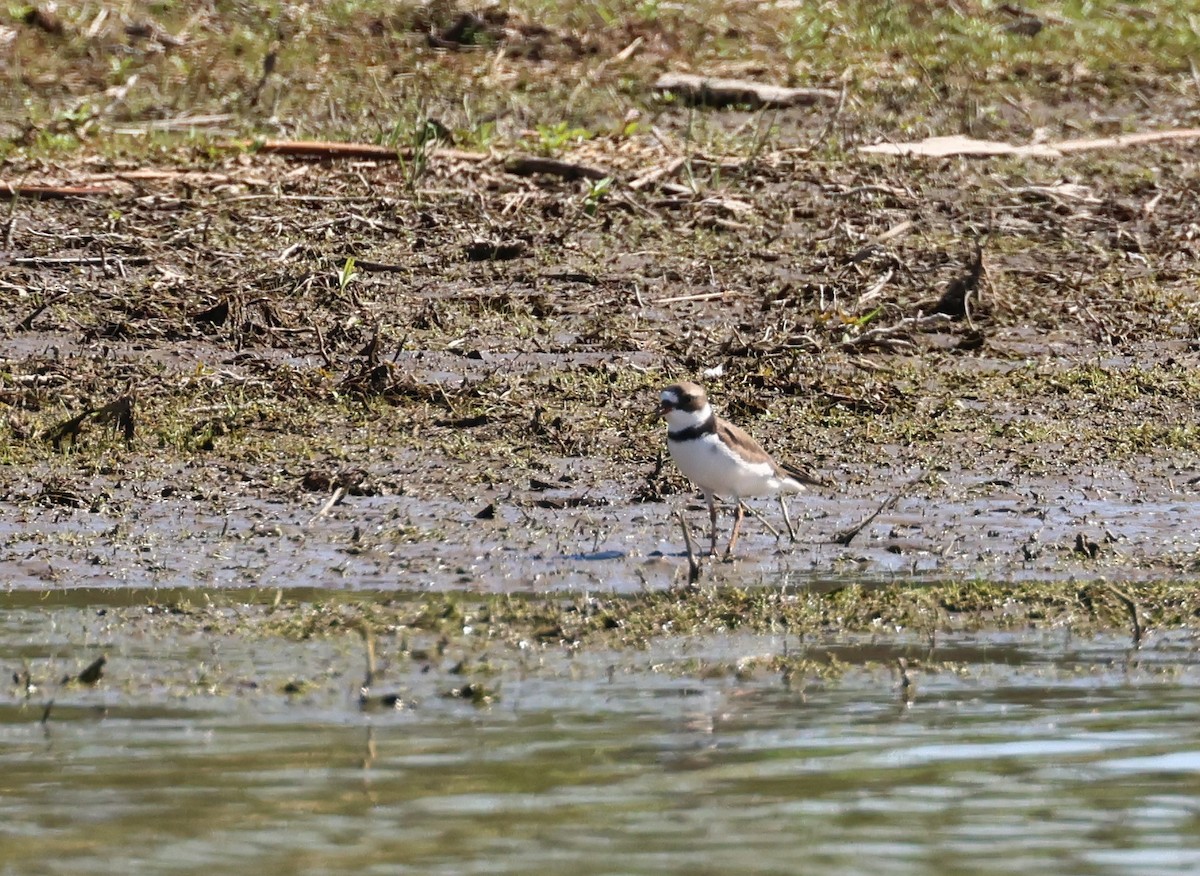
(752, 451)
(739, 440)
(805, 477)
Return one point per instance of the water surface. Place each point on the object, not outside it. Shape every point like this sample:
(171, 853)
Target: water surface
(1030, 753)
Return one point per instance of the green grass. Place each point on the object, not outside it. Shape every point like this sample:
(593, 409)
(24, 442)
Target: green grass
(362, 70)
(638, 620)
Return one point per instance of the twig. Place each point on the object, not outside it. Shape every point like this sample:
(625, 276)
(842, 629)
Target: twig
(758, 515)
(27, 323)
(657, 173)
(1131, 609)
(845, 536)
(321, 346)
(334, 498)
(873, 189)
(381, 267)
(331, 149)
(179, 123)
(528, 165)
(699, 296)
(693, 563)
(77, 261)
(118, 413)
(889, 334)
(876, 288)
(941, 147)
(710, 91)
(20, 190)
(1122, 140)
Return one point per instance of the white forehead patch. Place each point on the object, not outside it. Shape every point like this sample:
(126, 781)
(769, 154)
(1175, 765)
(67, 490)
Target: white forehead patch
(670, 396)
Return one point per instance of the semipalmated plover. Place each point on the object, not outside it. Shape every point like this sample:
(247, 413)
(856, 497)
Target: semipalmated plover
(722, 460)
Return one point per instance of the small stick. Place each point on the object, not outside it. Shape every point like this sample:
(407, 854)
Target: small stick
(657, 173)
(845, 536)
(758, 515)
(321, 347)
(739, 513)
(889, 334)
(907, 690)
(699, 296)
(381, 267)
(72, 261)
(334, 498)
(1131, 608)
(528, 165)
(369, 645)
(711, 91)
(27, 323)
(787, 518)
(693, 563)
(18, 190)
(328, 149)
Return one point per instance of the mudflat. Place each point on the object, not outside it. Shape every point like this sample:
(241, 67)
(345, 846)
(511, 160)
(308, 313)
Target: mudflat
(227, 361)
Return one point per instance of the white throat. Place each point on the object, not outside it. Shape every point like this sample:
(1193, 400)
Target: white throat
(678, 420)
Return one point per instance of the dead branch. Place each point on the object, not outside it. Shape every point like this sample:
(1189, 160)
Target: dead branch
(26, 324)
(318, 149)
(529, 165)
(955, 301)
(657, 173)
(22, 190)
(758, 516)
(942, 147)
(77, 261)
(1124, 140)
(693, 563)
(118, 414)
(1131, 609)
(845, 536)
(894, 335)
(334, 498)
(381, 267)
(709, 91)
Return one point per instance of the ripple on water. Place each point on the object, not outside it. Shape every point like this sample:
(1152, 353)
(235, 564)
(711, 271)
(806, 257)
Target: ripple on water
(1033, 755)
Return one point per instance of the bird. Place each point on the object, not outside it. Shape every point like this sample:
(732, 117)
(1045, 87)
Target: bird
(723, 460)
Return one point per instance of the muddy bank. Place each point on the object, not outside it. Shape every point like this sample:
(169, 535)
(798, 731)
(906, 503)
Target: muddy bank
(430, 370)
(582, 532)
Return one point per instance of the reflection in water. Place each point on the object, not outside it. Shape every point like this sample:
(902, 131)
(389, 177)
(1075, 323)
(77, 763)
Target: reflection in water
(1023, 756)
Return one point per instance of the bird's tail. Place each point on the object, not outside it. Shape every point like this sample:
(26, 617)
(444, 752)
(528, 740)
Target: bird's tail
(802, 477)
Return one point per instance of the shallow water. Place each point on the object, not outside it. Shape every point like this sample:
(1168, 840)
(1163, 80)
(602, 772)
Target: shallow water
(588, 533)
(1031, 753)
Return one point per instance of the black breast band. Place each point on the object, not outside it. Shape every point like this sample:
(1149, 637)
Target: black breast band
(691, 433)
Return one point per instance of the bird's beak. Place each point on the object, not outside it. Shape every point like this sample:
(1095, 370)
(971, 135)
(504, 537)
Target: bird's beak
(663, 409)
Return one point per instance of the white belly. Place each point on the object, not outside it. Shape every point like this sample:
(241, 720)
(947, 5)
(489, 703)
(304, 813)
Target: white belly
(711, 466)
